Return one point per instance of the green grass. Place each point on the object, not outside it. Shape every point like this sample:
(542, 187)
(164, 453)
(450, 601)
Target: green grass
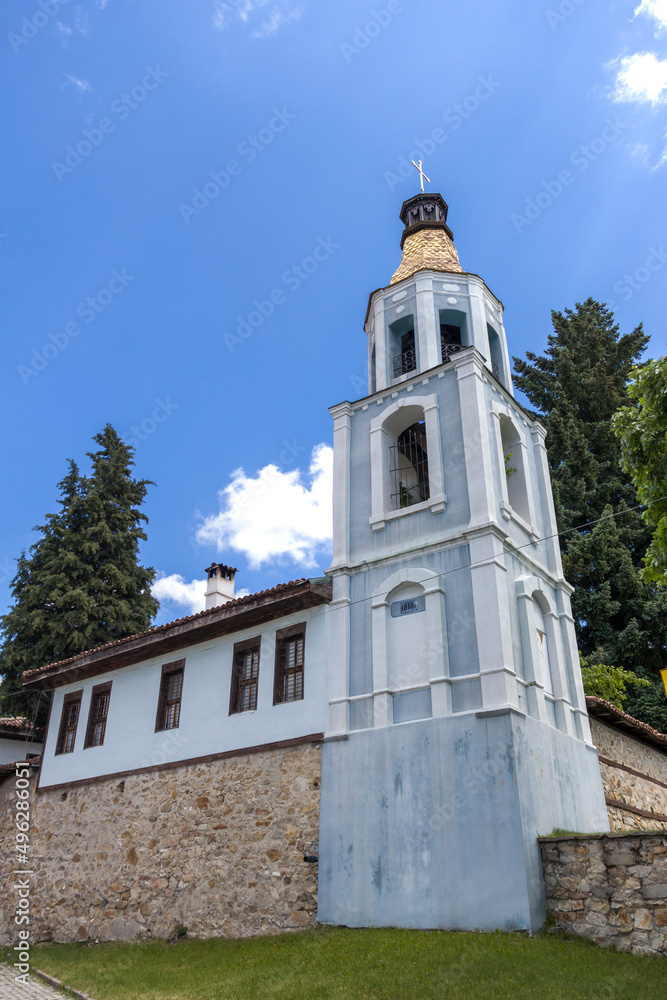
(341, 964)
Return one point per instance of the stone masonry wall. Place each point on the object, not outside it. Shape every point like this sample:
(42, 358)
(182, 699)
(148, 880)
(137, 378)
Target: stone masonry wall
(217, 847)
(624, 787)
(611, 888)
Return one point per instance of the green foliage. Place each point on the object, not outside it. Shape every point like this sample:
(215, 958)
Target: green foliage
(559, 832)
(604, 681)
(508, 468)
(405, 498)
(360, 964)
(649, 704)
(642, 431)
(577, 386)
(81, 585)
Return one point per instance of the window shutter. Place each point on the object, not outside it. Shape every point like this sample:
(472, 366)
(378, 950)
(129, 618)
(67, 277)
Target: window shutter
(97, 715)
(69, 721)
(289, 669)
(171, 691)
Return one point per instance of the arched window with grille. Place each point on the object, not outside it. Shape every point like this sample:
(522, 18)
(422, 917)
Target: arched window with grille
(408, 467)
(406, 461)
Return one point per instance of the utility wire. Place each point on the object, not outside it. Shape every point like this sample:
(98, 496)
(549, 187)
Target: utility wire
(458, 569)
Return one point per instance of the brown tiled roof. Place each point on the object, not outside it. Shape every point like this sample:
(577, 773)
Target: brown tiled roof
(11, 722)
(605, 711)
(6, 770)
(304, 592)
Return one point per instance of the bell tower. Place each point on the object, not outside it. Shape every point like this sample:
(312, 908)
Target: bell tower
(457, 727)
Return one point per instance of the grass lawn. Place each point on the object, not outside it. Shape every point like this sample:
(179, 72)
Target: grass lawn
(341, 964)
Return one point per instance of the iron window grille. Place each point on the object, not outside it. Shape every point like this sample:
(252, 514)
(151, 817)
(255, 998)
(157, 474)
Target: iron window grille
(245, 677)
(290, 644)
(171, 691)
(450, 341)
(97, 716)
(406, 361)
(69, 721)
(408, 468)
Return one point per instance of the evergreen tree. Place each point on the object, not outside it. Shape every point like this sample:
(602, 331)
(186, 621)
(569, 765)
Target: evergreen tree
(576, 387)
(82, 585)
(642, 431)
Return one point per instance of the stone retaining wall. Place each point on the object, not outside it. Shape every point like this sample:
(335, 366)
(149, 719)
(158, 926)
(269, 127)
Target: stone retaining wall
(640, 783)
(611, 888)
(217, 847)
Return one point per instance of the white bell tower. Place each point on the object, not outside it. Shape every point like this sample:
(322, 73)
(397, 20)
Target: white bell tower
(458, 730)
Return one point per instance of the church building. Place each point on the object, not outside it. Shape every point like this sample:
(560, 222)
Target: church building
(381, 746)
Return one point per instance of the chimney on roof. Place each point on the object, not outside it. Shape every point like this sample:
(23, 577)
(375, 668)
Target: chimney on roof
(220, 585)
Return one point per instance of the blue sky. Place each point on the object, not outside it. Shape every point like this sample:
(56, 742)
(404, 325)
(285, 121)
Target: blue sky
(169, 167)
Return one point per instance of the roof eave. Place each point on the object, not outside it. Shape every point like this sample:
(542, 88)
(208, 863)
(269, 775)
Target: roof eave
(302, 596)
(612, 715)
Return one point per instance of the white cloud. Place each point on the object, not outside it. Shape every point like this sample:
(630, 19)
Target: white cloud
(275, 22)
(642, 77)
(191, 595)
(175, 589)
(81, 85)
(281, 12)
(276, 516)
(656, 9)
(644, 153)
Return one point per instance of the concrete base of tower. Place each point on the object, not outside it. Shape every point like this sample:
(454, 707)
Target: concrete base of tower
(433, 824)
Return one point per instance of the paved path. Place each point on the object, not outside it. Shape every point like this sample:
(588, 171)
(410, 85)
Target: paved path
(37, 990)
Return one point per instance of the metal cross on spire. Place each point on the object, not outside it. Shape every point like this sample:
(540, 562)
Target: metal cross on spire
(422, 175)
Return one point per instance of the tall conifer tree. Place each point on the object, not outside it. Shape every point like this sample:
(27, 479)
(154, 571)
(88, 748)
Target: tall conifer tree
(576, 387)
(82, 585)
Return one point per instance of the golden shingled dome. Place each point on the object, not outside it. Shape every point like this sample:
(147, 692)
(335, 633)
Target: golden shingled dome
(427, 250)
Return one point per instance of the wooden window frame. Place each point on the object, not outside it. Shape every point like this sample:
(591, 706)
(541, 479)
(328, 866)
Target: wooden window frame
(176, 666)
(74, 697)
(237, 685)
(99, 690)
(279, 673)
